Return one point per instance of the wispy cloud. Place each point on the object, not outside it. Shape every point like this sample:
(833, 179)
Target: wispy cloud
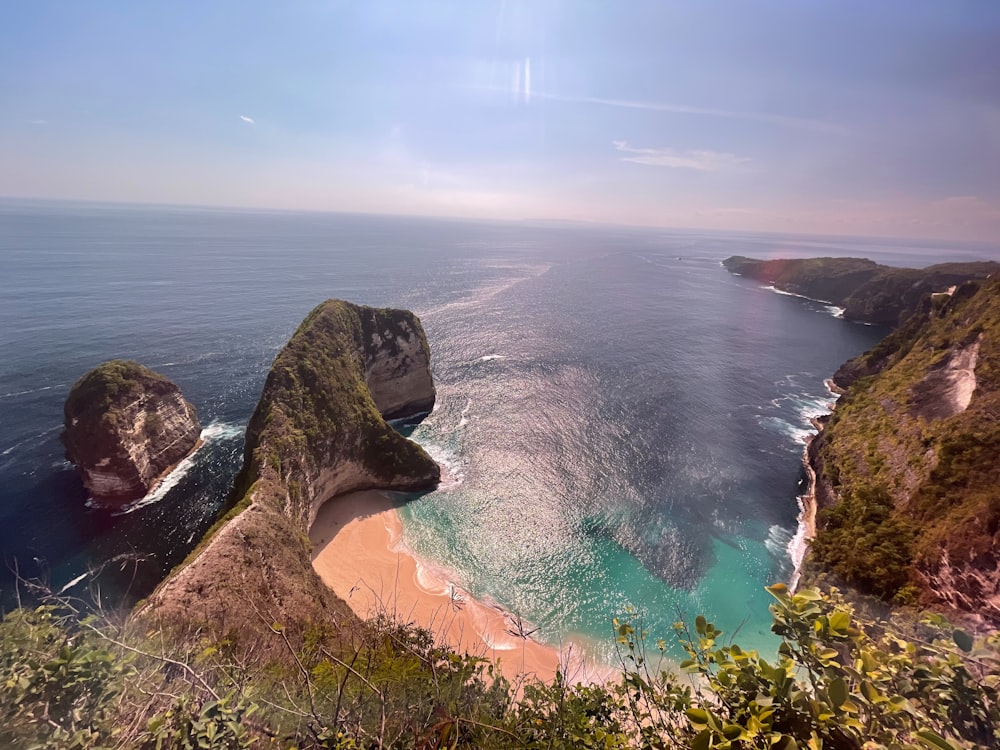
(38, 122)
(704, 161)
(248, 120)
(803, 123)
(684, 109)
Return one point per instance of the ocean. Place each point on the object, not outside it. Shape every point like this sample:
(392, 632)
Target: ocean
(620, 420)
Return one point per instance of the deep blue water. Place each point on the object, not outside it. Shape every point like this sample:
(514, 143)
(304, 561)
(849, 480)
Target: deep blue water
(622, 420)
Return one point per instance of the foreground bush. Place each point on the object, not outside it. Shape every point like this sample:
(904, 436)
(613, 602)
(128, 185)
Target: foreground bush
(71, 682)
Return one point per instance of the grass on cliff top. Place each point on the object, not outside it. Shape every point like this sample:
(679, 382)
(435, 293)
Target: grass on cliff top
(315, 403)
(110, 383)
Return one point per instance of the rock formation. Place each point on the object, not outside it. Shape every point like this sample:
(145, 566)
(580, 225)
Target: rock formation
(318, 431)
(868, 292)
(908, 465)
(125, 427)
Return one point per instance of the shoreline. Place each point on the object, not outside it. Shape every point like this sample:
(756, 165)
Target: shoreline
(359, 553)
(806, 531)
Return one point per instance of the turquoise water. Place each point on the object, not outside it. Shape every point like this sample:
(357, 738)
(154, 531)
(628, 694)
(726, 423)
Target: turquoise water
(624, 433)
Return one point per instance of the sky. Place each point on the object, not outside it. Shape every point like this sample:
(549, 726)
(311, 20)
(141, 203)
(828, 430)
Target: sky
(839, 117)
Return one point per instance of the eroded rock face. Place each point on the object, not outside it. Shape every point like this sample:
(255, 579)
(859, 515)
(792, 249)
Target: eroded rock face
(918, 427)
(397, 364)
(125, 427)
(318, 431)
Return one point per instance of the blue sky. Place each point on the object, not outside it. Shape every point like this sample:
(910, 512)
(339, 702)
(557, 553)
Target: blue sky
(778, 115)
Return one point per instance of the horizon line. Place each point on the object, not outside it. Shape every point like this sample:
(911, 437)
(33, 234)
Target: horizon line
(235, 208)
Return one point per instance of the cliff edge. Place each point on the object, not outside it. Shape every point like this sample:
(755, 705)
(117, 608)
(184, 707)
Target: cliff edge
(318, 431)
(125, 426)
(908, 465)
(868, 292)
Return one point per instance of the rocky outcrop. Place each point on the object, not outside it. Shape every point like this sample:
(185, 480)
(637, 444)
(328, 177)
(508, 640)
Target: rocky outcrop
(868, 292)
(318, 431)
(907, 470)
(125, 427)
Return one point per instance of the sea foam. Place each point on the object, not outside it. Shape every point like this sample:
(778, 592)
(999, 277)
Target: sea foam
(209, 434)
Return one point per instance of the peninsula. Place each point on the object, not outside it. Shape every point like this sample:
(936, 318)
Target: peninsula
(868, 292)
(319, 431)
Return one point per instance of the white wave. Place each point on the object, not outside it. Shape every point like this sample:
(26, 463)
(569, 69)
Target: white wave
(828, 306)
(810, 408)
(435, 580)
(778, 540)
(465, 412)
(798, 544)
(14, 394)
(793, 294)
(491, 357)
(222, 430)
(452, 471)
(783, 427)
(34, 437)
(211, 433)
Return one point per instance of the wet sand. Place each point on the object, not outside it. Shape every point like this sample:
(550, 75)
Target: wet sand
(358, 552)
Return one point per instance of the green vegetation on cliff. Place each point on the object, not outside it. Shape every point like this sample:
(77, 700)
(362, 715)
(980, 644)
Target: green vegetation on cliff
(318, 431)
(317, 408)
(95, 401)
(836, 683)
(908, 463)
(109, 384)
(867, 291)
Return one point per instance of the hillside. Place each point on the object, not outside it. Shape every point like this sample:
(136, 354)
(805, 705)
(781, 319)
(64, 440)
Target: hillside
(318, 431)
(908, 465)
(868, 292)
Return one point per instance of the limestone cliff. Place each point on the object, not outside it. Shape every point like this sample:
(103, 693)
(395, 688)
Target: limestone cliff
(125, 426)
(318, 431)
(908, 465)
(867, 291)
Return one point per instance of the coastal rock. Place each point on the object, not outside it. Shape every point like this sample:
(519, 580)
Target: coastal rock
(907, 478)
(125, 427)
(868, 292)
(319, 431)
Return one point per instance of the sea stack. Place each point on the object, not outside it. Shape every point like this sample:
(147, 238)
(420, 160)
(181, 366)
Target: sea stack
(125, 427)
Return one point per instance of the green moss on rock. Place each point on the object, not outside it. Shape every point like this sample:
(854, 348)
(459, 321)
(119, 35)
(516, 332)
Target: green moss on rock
(318, 431)
(124, 426)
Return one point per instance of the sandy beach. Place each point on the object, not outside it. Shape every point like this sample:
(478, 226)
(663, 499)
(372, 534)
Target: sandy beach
(358, 552)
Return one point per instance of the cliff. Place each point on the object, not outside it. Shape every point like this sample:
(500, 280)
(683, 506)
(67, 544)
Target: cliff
(868, 292)
(318, 431)
(124, 427)
(908, 476)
